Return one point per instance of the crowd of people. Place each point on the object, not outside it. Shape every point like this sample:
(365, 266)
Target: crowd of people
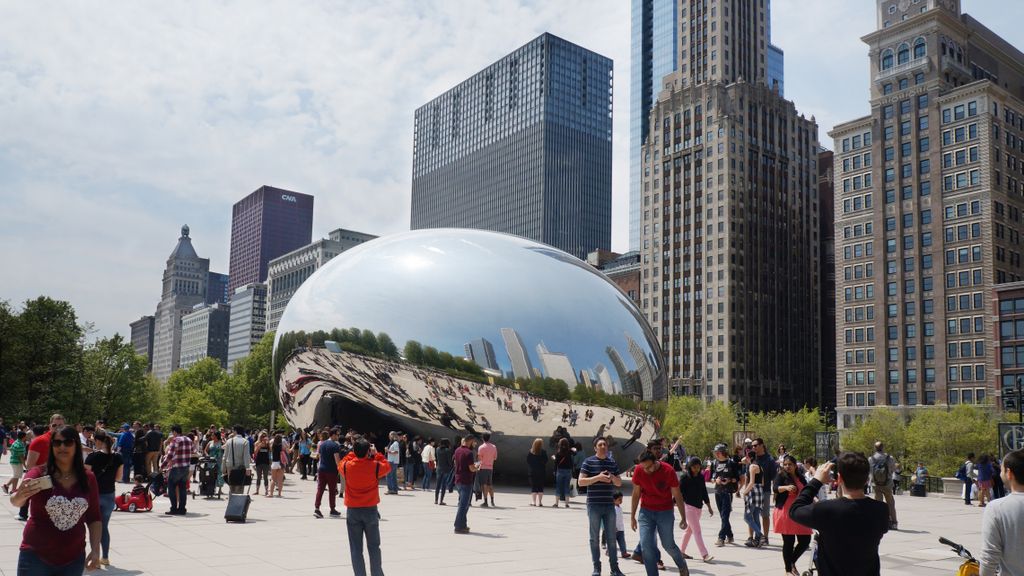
(64, 482)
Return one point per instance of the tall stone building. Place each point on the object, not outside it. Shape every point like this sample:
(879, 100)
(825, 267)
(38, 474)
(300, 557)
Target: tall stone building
(729, 243)
(928, 210)
(264, 225)
(142, 339)
(184, 286)
(522, 147)
(825, 396)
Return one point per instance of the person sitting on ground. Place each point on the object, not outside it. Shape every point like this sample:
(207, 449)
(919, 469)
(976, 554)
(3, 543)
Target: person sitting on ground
(850, 527)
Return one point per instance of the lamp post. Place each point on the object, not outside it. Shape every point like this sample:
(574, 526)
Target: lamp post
(1020, 396)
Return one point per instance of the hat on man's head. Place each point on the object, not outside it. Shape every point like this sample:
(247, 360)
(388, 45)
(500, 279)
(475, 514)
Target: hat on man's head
(720, 448)
(748, 441)
(125, 426)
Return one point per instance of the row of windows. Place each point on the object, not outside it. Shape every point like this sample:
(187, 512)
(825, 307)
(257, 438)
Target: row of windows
(863, 292)
(857, 202)
(859, 313)
(856, 142)
(859, 250)
(961, 134)
(906, 148)
(857, 162)
(961, 180)
(902, 53)
(962, 302)
(964, 278)
(857, 182)
(859, 271)
(956, 396)
(858, 230)
(959, 112)
(1015, 305)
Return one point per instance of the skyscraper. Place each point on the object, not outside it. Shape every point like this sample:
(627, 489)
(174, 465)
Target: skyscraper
(184, 286)
(481, 352)
(654, 52)
(142, 339)
(248, 321)
(204, 334)
(928, 209)
(826, 395)
(287, 272)
(729, 238)
(523, 147)
(217, 288)
(264, 225)
(521, 366)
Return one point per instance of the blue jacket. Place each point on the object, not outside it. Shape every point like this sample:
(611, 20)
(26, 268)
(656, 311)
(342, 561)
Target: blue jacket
(126, 442)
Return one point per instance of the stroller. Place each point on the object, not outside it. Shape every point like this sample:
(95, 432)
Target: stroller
(208, 478)
(813, 569)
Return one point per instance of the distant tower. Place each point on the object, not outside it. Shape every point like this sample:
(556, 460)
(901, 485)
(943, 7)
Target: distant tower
(184, 286)
(481, 352)
(264, 225)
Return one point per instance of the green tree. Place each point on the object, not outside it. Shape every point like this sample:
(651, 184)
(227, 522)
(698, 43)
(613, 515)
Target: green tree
(941, 438)
(884, 425)
(795, 430)
(116, 381)
(387, 346)
(700, 425)
(193, 408)
(48, 360)
(253, 392)
(369, 342)
(413, 352)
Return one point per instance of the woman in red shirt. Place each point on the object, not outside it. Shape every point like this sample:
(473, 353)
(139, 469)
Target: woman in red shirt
(63, 498)
(788, 485)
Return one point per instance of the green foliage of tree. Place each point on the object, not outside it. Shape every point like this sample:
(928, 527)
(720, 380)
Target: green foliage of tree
(882, 424)
(413, 352)
(794, 430)
(700, 425)
(943, 438)
(193, 408)
(387, 346)
(118, 388)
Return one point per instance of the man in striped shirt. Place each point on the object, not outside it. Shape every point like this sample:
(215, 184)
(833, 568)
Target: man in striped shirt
(600, 474)
(176, 463)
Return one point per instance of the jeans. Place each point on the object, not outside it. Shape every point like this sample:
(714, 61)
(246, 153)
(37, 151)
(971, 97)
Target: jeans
(661, 524)
(360, 522)
(724, 503)
(967, 491)
(620, 539)
(263, 471)
(326, 479)
(410, 474)
(393, 478)
(126, 473)
(428, 475)
(753, 518)
(602, 515)
(465, 492)
(177, 480)
(562, 478)
(442, 485)
(29, 564)
(304, 461)
(106, 509)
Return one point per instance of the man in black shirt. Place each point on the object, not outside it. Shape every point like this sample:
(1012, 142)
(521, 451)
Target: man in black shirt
(154, 445)
(849, 528)
(726, 476)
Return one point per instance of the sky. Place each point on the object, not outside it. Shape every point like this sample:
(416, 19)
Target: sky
(121, 121)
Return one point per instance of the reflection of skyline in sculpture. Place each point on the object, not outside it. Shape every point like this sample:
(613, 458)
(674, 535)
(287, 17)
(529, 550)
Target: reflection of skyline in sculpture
(643, 368)
(521, 367)
(481, 352)
(604, 379)
(626, 378)
(556, 365)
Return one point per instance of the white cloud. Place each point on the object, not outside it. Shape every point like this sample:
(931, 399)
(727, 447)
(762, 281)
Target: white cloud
(121, 121)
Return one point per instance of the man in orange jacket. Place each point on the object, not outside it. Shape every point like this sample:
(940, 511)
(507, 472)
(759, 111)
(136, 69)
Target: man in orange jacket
(362, 470)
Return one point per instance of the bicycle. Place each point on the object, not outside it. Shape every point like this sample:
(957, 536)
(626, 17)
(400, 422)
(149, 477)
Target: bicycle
(971, 566)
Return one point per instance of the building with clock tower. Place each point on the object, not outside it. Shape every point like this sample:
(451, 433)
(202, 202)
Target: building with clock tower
(928, 200)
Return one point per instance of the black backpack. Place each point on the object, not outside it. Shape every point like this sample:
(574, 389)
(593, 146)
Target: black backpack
(880, 471)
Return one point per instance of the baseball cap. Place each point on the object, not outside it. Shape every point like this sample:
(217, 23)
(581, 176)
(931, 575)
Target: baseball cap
(720, 448)
(125, 426)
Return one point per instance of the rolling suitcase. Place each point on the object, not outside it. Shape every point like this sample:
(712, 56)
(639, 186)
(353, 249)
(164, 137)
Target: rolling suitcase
(238, 508)
(918, 490)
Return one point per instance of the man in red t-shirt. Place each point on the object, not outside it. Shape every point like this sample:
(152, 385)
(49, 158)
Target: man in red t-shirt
(39, 452)
(655, 486)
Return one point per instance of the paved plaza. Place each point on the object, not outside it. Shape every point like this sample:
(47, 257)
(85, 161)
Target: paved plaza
(514, 538)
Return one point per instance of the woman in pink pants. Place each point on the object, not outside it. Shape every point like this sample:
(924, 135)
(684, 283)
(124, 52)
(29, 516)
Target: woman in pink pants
(695, 495)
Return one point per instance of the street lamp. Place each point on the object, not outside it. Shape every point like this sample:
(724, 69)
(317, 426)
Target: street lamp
(1020, 396)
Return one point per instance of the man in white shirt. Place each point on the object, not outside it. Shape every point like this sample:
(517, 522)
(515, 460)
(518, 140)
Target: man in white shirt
(236, 460)
(1002, 526)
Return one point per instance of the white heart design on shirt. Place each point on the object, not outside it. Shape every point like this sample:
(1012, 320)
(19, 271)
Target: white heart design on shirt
(65, 513)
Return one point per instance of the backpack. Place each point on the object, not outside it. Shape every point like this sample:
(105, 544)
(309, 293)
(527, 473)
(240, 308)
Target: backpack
(961, 472)
(880, 471)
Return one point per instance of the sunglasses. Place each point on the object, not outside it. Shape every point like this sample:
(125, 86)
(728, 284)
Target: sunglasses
(67, 442)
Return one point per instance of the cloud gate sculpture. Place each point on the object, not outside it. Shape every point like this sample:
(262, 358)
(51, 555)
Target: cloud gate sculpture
(443, 332)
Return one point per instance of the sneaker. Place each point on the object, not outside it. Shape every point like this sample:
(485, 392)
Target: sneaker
(484, 505)
(104, 561)
(617, 572)
(462, 530)
(729, 540)
(764, 540)
(719, 542)
(751, 544)
(687, 556)
(708, 558)
(335, 513)
(555, 505)
(637, 556)
(597, 571)
(441, 503)
(661, 565)
(318, 514)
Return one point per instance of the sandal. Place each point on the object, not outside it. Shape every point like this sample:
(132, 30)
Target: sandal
(708, 558)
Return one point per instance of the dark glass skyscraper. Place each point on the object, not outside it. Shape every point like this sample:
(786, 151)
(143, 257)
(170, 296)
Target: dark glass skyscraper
(264, 225)
(524, 147)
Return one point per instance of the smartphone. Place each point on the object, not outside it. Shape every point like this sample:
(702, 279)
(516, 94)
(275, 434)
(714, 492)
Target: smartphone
(44, 482)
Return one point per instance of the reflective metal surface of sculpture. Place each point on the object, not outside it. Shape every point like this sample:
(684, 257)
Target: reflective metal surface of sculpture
(443, 332)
